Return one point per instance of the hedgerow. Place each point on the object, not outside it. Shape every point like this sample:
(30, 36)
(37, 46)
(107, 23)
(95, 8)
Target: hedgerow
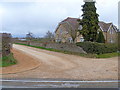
(98, 48)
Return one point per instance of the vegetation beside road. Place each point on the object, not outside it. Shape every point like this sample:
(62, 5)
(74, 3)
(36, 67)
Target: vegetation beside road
(108, 55)
(7, 60)
(98, 48)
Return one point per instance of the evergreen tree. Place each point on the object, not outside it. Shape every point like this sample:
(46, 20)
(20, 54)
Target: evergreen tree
(89, 22)
(100, 38)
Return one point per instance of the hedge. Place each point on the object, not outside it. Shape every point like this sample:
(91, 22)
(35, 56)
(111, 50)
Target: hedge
(98, 48)
(7, 60)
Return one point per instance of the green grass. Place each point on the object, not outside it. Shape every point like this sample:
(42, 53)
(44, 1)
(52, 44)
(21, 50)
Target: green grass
(108, 55)
(50, 49)
(7, 61)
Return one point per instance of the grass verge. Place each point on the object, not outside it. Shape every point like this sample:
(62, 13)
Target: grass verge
(7, 61)
(108, 55)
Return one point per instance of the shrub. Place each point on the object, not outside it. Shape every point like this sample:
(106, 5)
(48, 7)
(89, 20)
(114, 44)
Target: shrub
(100, 38)
(7, 60)
(98, 48)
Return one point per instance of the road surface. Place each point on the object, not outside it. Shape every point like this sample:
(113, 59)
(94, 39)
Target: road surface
(41, 64)
(39, 83)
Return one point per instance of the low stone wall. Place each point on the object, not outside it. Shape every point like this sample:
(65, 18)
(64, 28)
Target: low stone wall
(58, 46)
(37, 44)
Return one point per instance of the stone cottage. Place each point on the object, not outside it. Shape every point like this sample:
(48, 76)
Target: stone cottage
(62, 34)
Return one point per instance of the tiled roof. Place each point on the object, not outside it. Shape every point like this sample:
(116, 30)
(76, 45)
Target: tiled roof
(104, 26)
(74, 23)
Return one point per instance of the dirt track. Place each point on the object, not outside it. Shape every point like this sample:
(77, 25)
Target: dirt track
(47, 64)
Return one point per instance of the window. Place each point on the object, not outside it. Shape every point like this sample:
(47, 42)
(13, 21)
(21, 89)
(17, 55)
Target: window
(81, 39)
(70, 39)
(58, 40)
(112, 31)
(111, 40)
(80, 27)
(61, 31)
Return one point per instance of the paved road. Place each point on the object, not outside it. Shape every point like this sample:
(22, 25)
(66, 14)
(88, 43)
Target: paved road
(58, 84)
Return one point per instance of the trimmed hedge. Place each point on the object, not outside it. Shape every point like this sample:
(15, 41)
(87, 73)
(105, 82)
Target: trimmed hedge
(98, 48)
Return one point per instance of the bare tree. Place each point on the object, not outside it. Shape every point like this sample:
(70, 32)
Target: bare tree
(49, 36)
(29, 37)
(72, 31)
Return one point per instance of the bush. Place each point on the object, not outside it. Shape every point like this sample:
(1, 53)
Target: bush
(100, 38)
(7, 60)
(98, 48)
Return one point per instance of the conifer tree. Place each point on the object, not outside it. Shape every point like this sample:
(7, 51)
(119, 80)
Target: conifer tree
(100, 38)
(89, 22)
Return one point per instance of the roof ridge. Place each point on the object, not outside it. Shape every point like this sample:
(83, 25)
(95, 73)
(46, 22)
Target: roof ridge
(105, 22)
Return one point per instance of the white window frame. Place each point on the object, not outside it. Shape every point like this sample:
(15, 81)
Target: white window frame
(81, 39)
(111, 40)
(70, 39)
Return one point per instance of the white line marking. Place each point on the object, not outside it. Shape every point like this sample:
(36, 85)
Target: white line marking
(43, 81)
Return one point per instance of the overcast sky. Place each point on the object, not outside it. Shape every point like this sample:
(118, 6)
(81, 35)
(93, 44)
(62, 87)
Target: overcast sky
(38, 16)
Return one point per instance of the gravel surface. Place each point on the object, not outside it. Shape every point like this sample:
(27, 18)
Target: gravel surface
(37, 63)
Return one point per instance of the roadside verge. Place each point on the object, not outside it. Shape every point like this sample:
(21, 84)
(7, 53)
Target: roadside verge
(22, 63)
(107, 55)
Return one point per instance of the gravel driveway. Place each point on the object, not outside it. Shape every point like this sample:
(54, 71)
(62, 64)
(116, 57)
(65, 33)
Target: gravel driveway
(37, 63)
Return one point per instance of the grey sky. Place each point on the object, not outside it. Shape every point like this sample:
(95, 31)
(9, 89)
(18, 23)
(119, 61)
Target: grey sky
(40, 16)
